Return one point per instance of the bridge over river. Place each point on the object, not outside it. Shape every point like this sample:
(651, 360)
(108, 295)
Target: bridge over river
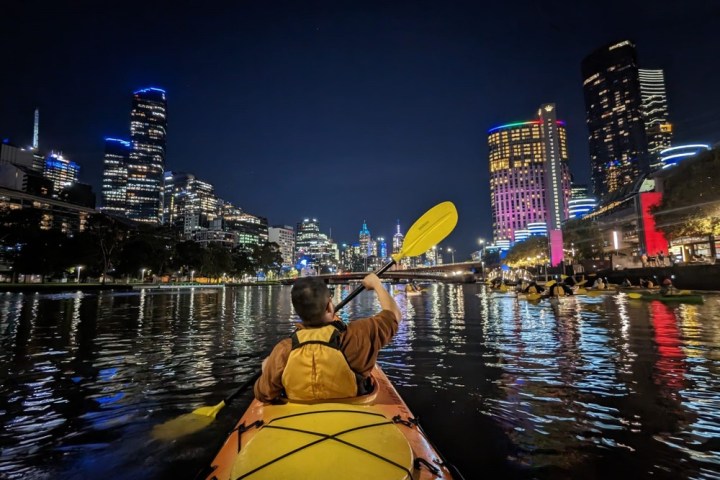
(464, 272)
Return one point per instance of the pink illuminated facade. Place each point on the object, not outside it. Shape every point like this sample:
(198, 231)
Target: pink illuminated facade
(517, 157)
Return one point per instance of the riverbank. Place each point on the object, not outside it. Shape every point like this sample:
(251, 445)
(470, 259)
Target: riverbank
(686, 277)
(63, 287)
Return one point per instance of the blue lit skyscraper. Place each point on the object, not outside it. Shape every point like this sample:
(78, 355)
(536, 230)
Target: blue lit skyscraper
(115, 176)
(148, 131)
(61, 171)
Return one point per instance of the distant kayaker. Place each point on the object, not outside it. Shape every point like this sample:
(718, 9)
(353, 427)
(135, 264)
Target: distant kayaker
(533, 288)
(325, 359)
(667, 287)
(560, 290)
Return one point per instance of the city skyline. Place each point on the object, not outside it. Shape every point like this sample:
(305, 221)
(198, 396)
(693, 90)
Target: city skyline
(368, 128)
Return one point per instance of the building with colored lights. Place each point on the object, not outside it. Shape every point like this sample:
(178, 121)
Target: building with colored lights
(581, 202)
(61, 171)
(148, 132)
(616, 127)
(115, 175)
(537, 229)
(671, 156)
(252, 230)
(655, 114)
(397, 239)
(284, 237)
(518, 157)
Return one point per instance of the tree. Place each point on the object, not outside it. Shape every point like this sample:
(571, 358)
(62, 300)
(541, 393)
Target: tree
(691, 198)
(582, 237)
(188, 256)
(528, 253)
(216, 260)
(267, 256)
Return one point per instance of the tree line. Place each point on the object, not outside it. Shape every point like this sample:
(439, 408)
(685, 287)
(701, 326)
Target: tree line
(116, 248)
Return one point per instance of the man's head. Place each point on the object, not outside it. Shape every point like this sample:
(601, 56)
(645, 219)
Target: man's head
(310, 298)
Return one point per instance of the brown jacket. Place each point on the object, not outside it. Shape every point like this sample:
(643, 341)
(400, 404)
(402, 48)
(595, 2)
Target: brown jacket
(360, 344)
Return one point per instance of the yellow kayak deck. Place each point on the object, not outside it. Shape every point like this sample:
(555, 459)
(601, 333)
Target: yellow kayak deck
(374, 436)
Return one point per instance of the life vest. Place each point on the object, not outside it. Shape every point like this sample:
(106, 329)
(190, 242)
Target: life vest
(316, 368)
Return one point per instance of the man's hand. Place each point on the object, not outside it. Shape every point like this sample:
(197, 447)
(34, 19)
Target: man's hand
(372, 282)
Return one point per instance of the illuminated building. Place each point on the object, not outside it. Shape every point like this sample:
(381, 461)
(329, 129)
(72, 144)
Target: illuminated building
(521, 235)
(618, 145)
(581, 203)
(537, 229)
(382, 248)
(397, 239)
(36, 131)
(61, 171)
(671, 156)
(148, 131)
(252, 230)
(284, 236)
(655, 114)
(518, 154)
(365, 240)
(115, 175)
(313, 248)
(189, 204)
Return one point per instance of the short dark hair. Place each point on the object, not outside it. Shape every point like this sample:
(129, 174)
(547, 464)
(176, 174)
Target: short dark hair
(310, 296)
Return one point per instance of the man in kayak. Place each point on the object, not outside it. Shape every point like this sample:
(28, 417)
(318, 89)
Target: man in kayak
(325, 359)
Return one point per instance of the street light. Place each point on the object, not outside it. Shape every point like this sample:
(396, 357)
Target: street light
(142, 275)
(192, 275)
(79, 267)
(452, 254)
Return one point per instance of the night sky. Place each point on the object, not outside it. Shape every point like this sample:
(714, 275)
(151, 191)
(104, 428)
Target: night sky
(342, 111)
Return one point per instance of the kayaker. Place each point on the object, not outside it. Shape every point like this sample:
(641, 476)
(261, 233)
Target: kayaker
(324, 358)
(667, 287)
(560, 290)
(533, 287)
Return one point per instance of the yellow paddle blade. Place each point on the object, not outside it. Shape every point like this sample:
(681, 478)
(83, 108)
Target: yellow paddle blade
(563, 276)
(581, 291)
(550, 283)
(187, 423)
(635, 295)
(533, 296)
(181, 426)
(582, 282)
(209, 411)
(428, 230)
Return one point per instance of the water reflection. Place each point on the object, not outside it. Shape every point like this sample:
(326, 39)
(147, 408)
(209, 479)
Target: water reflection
(584, 386)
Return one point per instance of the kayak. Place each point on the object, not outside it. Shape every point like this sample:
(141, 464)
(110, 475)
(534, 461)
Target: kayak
(373, 436)
(678, 298)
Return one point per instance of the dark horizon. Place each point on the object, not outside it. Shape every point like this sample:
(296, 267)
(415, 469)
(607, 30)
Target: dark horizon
(342, 113)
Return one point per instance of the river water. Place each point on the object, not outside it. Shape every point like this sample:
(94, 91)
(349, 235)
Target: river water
(591, 387)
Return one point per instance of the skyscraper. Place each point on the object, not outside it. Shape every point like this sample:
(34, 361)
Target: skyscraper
(618, 145)
(397, 239)
(36, 130)
(148, 131)
(115, 176)
(189, 204)
(365, 240)
(517, 157)
(655, 114)
(581, 203)
(61, 171)
(284, 236)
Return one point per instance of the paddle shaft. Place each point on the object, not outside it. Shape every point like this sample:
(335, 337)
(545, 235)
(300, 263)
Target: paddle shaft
(359, 289)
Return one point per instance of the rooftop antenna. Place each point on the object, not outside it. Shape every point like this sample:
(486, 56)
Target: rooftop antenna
(36, 130)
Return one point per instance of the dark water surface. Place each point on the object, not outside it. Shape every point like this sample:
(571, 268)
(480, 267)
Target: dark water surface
(589, 388)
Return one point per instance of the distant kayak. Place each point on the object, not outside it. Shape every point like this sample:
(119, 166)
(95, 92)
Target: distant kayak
(374, 436)
(677, 298)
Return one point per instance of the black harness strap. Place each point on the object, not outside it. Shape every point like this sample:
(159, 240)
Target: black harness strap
(419, 462)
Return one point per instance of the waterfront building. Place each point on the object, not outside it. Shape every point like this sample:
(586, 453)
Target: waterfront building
(655, 114)
(313, 248)
(537, 229)
(581, 202)
(148, 132)
(115, 175)
(613, 105)
(365, 240)
(189, 204)
(671, 156)
(61, 171)
(252, 230)
(382, 249)
(397, 240)
(284, 236)
(522, 234)
(518, 158)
